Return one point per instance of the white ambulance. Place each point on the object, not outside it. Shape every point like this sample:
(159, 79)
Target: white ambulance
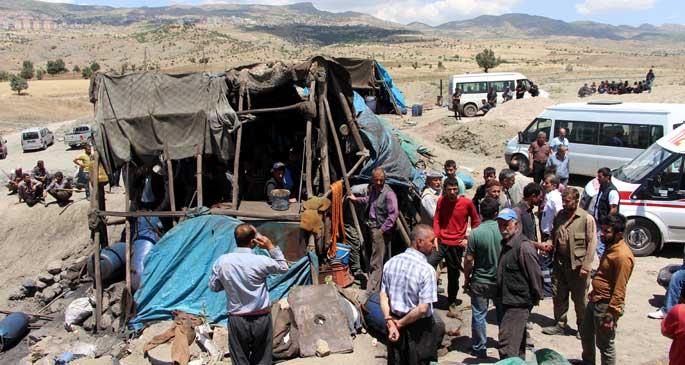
(652, 192)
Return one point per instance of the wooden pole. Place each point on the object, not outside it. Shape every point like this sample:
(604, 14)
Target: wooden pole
(308, 159)
(129, 291)
(236, 169)
(271, 110)
(351, 172)
(338, 149)
(351, 120)
(323, 127)
(198, 175)
(404, 229)
(170, 178)
(216, 211)
(96, 240)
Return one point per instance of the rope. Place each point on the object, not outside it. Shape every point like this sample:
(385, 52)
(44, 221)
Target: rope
(337, 225)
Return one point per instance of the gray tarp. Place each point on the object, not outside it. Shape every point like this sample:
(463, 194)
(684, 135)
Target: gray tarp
(136, 113)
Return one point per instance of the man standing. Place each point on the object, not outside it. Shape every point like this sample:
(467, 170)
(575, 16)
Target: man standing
(488, 174)
(242, 275)
(492, 97)
(559, 140)
(430, 195)
(575, 240)
(509, 195)
(650, 80)
(520, 90)
(559, 161)
(519, 284)
(381, 214)
(456, 103)
(553, 204)
(538, 154)
(60, 189)
(607, 201)
(451, 172)
(30, 191)
(607, 298)
(452, 217)
(532, 196)
(480, 273)
(85, 162)
(408, 292)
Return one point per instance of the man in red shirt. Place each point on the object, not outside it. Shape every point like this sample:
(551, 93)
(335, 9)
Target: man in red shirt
(452, 215)
(673, 327)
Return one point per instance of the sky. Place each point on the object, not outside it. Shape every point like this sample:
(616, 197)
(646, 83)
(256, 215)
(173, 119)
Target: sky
(434, 12)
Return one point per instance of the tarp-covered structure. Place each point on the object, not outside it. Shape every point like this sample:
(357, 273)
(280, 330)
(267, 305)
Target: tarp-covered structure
(177, 270)
(369, 78)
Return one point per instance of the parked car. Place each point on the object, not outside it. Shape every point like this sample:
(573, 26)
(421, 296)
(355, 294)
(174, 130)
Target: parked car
(3, 148)
(600, 133)
(79, 136)
(36, 139)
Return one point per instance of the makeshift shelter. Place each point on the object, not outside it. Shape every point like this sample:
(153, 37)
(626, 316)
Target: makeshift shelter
(369, 78)
(211, 140)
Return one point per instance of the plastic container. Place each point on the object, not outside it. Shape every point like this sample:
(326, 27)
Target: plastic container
(141, 248)
(112, 262)
(279, 199)
(336, 273)
(12, 329)
(416, 110)
(371, 103)
(342, 255)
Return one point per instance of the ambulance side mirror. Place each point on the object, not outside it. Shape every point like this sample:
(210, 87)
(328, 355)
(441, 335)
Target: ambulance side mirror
(520, 135)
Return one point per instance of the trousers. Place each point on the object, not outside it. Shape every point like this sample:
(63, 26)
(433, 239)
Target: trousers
(479, 312)
(568, 281)
(538, 171)
(512, 332)
(418, 343)
(250, 339)
(452, 256)
(592, 334)
(380, 243)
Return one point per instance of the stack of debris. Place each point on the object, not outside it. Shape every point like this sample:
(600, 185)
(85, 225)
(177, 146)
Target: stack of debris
(80, 311)
(60, 276)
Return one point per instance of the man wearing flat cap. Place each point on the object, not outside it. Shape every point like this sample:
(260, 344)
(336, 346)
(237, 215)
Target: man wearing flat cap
(430, 195)
(276, 181)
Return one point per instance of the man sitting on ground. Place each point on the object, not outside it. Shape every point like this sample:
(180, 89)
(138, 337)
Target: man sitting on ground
(584, 91)
(30, 191)
(60, 189)
(14, 180)
(40, 173)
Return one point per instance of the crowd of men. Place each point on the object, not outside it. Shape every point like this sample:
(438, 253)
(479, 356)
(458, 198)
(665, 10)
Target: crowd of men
(619, 87)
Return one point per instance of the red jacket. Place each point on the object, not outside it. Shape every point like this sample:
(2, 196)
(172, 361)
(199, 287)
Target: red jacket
(452, 218)
(673, 327)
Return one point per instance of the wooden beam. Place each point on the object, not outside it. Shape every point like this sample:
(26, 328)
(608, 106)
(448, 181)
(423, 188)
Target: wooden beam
(295, 217)
(404, 229)
(96, 239)
(170, 179)
(129, 291)
(271, 110)
(323, 127)
(308, 159)
(351, 119)
(236, 169)
(351, 172)
(198, 174)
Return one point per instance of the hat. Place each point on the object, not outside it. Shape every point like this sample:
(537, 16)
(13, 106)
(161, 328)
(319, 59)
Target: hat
(277, 166)
(507, 214)
(432, 174)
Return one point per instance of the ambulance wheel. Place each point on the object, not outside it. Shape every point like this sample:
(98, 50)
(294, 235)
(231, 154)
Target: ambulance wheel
(642, 236)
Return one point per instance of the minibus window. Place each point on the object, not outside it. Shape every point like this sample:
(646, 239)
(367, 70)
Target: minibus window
(538, 125)
(473, 87)
(579, 132)
(628, 135)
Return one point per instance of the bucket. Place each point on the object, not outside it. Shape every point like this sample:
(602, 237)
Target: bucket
(279, 199)
(342, 255)
(371, 103)
(12, 329)
(416, 110)
(112, 262)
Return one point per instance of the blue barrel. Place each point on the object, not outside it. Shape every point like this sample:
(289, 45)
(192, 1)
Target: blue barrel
(148, 227)
(112, 262)
(416, 110)
(371, 103)
(374, 318)
(12, 329)
(141, 248)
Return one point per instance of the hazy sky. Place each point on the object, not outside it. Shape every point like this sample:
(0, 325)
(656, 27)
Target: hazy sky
(631, 12)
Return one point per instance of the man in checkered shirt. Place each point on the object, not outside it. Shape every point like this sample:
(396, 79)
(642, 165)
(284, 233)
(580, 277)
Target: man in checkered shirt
(408, 291)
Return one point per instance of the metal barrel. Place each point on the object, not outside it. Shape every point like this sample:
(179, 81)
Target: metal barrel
(12, 329)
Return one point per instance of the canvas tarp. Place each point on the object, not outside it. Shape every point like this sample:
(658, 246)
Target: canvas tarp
(370, 74)
(135, 114)
(395, 93)
(177, 269)
(361, 71)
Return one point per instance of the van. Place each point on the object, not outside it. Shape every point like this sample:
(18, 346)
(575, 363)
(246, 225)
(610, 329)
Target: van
(474, 88)
(652, 192)
(36, 139)
(601, 134)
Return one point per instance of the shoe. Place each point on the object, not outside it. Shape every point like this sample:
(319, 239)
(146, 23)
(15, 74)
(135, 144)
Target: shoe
(553, 330)
(482, 354)
(453, 311)
(660, 314)
(529, 326)
(578, 335)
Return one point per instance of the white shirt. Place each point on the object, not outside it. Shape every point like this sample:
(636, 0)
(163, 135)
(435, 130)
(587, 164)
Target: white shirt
(556, 142)
(429, 201)
(552, 206)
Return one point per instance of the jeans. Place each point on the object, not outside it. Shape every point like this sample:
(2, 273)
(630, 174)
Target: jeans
(600, 245)
(674, 290)
(479, 311)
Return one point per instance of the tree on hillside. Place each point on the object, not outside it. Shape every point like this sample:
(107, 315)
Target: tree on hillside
(87, 72)
(76, 69)
(4, 75)
(56, 67)
(95, 67)
(18, 83)
(487, 60)
(40, 73)
(27, 70)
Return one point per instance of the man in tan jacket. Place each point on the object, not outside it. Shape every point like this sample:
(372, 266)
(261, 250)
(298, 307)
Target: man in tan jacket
(574, 237)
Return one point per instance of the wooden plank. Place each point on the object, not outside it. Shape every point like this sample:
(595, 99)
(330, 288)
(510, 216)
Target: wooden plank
(308, 159)
(129, 291)
(170, 178)
(96, 240)
(198, 175)
(236, 168)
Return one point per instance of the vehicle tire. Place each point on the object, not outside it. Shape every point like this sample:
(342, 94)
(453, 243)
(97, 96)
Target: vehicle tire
(642, 236)
(45, 146)
(470, 110)
(523, 163)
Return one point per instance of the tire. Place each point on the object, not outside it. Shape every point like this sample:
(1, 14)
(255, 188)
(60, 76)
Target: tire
(45, 146)
(523, 164)
(470, 110)
(642, 236)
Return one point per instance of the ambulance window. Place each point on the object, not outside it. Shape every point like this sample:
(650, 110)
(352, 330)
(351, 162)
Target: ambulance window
(668, 184)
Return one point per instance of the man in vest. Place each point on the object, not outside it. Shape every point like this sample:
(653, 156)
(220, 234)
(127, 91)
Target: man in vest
(381, 214)
(607, 201)
(574, 236)
(519, 285)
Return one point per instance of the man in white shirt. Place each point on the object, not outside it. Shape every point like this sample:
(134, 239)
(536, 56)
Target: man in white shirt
(559, 140)
(430, 195)
(553, 205)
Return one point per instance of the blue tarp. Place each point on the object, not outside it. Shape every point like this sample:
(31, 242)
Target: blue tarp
(177, 271)
(395, 93)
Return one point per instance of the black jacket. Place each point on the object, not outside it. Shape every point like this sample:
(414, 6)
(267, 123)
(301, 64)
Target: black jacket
(519, 279)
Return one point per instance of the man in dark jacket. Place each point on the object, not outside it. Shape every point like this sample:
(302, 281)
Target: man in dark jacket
(456, 103)
(519, 283)
(607, 201)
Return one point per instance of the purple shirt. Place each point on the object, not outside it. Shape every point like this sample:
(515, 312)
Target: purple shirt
(390, 203)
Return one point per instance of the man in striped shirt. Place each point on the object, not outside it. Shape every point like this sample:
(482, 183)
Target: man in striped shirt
(408, 291)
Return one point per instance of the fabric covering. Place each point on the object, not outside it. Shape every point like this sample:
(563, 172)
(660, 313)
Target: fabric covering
(368, 74)
(136, 113)
(361, 72)
(395, 93)
(177, 271)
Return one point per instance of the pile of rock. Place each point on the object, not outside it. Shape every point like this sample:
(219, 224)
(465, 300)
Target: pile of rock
(59, 276)
(111, 309)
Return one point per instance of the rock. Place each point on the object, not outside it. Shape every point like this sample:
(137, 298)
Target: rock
(89, 323)
(39, 296)
(46, 278)
(70, 275)
(57, 278)
(116, 310)
(38, 335)
(67, 284)
(105, 301)
(220, 339)
(106, 322)
(18, 295)
(57, 306)
(161, 354)
(48, 294)
(29, 284)
(41, 285)
(54, 267)
(322, 348)
(105, 344)
(105, 360)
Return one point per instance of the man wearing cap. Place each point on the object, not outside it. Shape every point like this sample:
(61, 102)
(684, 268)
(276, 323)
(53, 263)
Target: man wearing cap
(276, 181)
(381, 213)
(430, 195)
(519, 284)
